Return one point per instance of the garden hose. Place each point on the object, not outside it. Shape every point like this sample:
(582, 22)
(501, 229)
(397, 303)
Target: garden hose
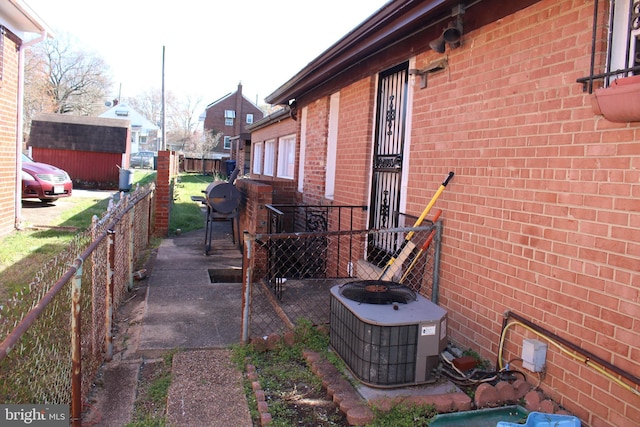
(575, 356)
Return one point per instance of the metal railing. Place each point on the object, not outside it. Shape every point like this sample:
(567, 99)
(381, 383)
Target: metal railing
(288, 276)
(57, 332)
(306, 258)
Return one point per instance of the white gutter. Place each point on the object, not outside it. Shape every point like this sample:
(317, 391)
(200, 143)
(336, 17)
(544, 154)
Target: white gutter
(19, 126)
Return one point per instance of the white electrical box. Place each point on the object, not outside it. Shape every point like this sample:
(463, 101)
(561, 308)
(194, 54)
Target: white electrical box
(534, 355)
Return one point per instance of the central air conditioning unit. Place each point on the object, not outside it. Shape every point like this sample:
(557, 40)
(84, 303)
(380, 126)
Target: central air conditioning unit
(387, 335)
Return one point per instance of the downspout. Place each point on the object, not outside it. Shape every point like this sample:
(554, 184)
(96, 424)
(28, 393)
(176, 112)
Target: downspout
(19, 125)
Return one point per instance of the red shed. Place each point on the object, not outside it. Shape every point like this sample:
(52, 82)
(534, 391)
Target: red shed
(91, 149)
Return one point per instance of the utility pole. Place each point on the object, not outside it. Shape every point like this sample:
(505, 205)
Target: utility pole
(164, 130)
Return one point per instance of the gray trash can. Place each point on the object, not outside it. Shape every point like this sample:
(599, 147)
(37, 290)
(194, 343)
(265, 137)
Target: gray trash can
(126, 179)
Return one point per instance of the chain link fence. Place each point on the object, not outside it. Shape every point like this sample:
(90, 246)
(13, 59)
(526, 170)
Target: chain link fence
(292, 272)
(37, 325)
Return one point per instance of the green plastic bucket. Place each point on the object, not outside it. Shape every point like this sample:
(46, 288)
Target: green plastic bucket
(481, 417)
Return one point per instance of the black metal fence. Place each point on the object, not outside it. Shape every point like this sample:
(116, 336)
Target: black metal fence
(292, 272)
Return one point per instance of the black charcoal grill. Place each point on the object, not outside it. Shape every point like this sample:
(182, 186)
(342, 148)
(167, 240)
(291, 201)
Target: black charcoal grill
(222, 199)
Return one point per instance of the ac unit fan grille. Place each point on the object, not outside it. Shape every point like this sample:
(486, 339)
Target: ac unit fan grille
(377, 292)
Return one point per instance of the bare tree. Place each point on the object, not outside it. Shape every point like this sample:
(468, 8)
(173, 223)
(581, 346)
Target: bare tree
(202, 143)
(181, 115)
(183, 120)
(149, 104)
(65, 80)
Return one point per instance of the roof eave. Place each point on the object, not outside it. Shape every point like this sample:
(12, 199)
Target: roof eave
(22, 19)
(391, 22)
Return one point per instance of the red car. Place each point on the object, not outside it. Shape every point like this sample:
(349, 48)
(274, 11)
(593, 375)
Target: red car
(43, 181)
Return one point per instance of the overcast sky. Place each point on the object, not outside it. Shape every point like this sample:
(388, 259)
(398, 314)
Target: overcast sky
(210, 45)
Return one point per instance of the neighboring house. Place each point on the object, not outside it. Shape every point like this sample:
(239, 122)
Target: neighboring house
(230, 115)
(542, 217)
(21, 27)
(93, 150)
(144, 134)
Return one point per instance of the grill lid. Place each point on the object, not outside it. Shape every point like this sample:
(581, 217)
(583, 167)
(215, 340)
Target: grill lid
(377, 292)
(222, 196)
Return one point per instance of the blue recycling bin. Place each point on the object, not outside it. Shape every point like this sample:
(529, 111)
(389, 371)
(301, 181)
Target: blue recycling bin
(540, 419)
(231, 166)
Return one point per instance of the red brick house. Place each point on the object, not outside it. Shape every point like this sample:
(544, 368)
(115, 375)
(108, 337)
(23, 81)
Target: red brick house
(542, 218)
(231, 115)
(21, 27)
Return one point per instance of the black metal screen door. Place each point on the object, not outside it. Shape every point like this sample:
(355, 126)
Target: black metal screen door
(387, 160)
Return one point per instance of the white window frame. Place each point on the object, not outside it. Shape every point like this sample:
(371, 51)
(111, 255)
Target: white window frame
(622, 35)
(228, 122)
(303, 149)
(227, 143)
(332, 146)
(229, 114)
(257, 150)
(249, 118)
(286, 156)
(269, 157)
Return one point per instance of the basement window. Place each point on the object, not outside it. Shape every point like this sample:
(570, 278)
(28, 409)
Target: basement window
(622, 54)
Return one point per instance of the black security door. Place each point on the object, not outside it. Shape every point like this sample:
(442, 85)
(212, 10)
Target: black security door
(387, 160)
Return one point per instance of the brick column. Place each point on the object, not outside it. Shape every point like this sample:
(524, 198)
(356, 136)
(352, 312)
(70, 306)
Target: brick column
(163, 193)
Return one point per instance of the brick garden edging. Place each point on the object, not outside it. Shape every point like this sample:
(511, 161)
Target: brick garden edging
(358, 411)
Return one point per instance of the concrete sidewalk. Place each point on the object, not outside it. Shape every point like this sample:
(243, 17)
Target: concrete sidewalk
(183, 311)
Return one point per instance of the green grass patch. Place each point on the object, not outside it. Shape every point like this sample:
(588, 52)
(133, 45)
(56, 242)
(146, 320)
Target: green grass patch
(404, 416)
(186, 214)
(150, 406)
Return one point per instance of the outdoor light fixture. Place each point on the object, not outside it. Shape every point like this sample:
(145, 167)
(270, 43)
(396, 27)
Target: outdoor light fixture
(452, 34)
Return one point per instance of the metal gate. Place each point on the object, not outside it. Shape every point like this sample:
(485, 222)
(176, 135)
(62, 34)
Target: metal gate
(387, 161)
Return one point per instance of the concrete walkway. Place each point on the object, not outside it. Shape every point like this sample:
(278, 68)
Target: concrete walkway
(182, 311)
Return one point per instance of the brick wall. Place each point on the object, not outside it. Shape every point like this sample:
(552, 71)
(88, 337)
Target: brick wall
(316, 151)
(540, 216)
(354, 155)
(254, 216)
(8, 138)
(543, 214)
(168, 166)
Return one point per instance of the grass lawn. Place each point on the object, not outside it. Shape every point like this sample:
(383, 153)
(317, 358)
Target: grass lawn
(23, 253)
(186, 214)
